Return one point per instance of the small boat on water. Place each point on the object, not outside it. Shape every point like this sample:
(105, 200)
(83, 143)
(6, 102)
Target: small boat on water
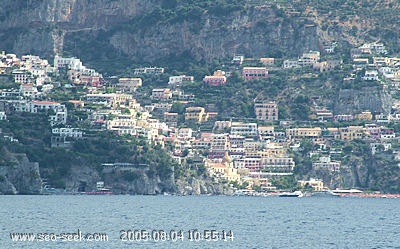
(100, 190)
(291, 194)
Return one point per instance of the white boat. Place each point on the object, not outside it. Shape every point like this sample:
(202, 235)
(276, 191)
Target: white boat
(291, 194)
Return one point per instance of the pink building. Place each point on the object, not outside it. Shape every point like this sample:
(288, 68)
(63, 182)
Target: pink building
(215, 80)
(250, 73)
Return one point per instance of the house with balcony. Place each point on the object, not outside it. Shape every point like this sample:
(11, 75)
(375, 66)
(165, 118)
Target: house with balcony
(68, 132)
(252, 164)
(291, 64)
(244, 129)
(28, 90)
(267, 61)
(68, 63)
(266, 110)
(351, 132)
(129, 84)
(161, 94)
(237, 59)
(277, 164)
(171, 119)
(22, 77)
(219, 145)
(179, 80)
(315, 184)
(327, 164)
(266, 132)
(371, 75)
(89, 80)
(217, 79)
(109, 99)
(302, 133)
(309, 58)
(250, 73)
(149, 70)
(195, 114)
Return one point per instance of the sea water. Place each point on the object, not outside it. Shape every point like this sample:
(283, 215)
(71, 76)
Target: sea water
(125, 221)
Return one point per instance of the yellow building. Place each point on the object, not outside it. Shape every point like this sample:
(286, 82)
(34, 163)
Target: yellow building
(351, 132)
(317, 185)
(195, 114)
(300, 133)
(224, 169)
(364, 116)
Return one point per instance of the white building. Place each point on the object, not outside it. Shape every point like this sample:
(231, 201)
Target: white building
(68, 132)
(178, 80)
(371, 75)
(69, 63)
(244, 129)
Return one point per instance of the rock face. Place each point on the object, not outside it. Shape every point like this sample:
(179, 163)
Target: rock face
(119, 180)
(118, 25)
(373, 99)
(22, 177)
(200, 186)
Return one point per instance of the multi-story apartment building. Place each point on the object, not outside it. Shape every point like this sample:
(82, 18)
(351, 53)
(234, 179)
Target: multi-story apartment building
(277, 164)
(69, 63)
(129, 84)
(68, 132)
(22, 77)
(267, 61)
(109, 99)
(219, 145)
(266, 132)
(236, 141)
(309, 58)
(244, 129)
(351, 132)
(28, 90)
(291, 64)
(171, 119)
(250, 73)
(161, 93)
(217, 79)
(178, 80)
(195, 114)
(300, 133)
(266, 111)
(253, 164)
(149, 70)
(326, 163)
(371, 75)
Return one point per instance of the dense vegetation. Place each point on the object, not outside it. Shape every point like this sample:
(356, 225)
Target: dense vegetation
(33, 133)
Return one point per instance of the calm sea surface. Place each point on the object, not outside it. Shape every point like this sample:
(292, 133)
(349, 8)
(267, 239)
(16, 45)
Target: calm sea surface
(255, 222)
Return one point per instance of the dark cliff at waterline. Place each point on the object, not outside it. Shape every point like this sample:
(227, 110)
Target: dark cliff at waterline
(120, 180)
(18, 175)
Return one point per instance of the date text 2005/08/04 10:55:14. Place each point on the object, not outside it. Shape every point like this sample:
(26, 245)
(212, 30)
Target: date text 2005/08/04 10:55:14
(176, 235)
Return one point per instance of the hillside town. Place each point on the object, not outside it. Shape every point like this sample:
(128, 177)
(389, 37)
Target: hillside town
(231, 150)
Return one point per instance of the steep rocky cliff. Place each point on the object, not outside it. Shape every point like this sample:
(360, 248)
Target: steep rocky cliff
(119, 180)
(20, 176)
(154, 30)
(126, 28)
(353, 101)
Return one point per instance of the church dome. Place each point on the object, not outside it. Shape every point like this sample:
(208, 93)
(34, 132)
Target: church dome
(227, 158)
